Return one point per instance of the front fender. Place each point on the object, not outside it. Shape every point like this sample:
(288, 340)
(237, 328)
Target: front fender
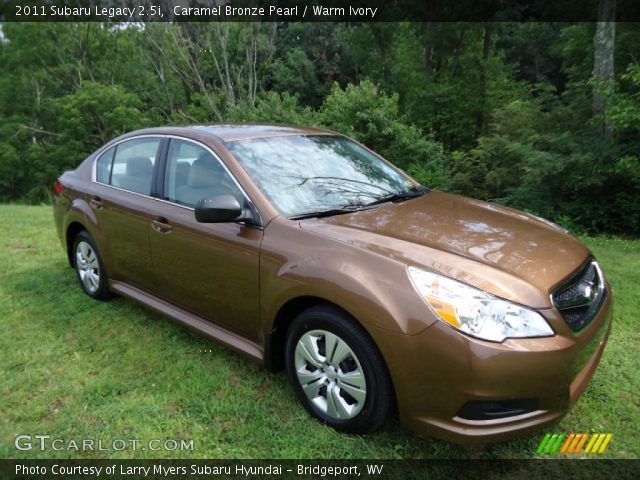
(373, 289)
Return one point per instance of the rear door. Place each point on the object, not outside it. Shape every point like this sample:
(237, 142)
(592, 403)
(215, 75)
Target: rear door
(211, 270)
(121, 199)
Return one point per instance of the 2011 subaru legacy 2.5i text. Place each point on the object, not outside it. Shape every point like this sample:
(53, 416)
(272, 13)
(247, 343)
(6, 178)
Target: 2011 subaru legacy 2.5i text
(304, 250)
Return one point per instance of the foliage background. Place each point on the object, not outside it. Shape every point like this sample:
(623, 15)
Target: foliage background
(498, 111)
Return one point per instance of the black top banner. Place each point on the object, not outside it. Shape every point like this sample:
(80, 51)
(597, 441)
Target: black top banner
(118, 11)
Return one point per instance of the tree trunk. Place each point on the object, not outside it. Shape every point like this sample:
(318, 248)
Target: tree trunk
(457, 51)
(381, 44)
(603, 43)
(483, 115)
(428, 49)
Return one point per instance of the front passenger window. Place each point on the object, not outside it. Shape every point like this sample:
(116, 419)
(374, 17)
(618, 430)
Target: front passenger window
(193, 173)
(133, 164)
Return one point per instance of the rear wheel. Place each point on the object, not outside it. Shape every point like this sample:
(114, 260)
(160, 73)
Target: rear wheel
(337, 371)
(89, 267)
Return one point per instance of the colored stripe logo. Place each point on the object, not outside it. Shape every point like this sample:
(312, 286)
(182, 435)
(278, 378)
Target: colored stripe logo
(574, 443)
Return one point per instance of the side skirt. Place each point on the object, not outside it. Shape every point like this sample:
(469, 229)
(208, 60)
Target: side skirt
(178, 315)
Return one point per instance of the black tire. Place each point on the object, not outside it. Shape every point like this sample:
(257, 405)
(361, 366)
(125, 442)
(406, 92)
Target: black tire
(335, 406)
(90, 271)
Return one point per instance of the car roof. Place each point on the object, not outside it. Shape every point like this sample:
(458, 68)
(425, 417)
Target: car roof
(234, 132)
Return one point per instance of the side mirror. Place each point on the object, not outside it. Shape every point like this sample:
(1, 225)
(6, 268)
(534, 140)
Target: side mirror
(221, 209)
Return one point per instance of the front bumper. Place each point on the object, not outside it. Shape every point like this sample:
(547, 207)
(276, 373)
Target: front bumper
(448, 369)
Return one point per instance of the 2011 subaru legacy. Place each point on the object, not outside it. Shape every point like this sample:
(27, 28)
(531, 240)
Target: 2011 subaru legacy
(305, 250)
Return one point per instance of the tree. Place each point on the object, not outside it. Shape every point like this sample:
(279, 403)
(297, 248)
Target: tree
(603, 65)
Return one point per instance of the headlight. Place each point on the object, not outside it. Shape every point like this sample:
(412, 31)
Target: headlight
(475, 312)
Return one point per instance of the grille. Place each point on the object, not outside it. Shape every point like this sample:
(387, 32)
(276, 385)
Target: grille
(580, 298)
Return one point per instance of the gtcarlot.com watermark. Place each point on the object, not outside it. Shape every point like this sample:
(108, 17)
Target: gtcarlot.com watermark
(26, 442)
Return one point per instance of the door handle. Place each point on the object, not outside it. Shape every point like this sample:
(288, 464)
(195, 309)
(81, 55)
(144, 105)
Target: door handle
(96, 203)
(161, 225)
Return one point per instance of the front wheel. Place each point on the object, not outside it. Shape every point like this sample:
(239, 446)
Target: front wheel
(337, 371)
(89, 267)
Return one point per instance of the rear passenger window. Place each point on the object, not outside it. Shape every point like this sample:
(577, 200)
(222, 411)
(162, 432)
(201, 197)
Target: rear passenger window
(103, 167)
(133, 164)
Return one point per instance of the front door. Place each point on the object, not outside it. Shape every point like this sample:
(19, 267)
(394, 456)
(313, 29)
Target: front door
(210, 269)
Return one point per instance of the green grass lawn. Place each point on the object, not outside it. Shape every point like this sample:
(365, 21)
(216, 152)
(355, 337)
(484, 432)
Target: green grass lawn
(75, 368)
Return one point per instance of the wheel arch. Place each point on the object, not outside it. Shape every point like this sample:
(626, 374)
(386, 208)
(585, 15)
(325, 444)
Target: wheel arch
(275, 341)
(73, 229)
(80, 217)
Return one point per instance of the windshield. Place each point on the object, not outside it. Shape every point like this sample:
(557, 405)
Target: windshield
(304, 174)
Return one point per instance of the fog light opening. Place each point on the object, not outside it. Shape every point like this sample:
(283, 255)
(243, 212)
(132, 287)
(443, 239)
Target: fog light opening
(495, 409)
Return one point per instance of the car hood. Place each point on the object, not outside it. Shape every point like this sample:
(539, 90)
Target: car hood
(501, 250)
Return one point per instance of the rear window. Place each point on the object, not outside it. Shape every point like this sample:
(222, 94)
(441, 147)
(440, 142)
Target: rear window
(132, 165)
(103, 167)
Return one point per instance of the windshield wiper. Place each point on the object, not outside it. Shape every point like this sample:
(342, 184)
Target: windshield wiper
(327, 213)
(398, 196)
(394, 197)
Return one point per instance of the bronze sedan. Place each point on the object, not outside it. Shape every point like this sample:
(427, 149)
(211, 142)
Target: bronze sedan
(304, 250)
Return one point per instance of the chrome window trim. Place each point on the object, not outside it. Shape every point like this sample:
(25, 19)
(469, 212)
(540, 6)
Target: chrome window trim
(125, 190)
(99, 153)
(164, 200)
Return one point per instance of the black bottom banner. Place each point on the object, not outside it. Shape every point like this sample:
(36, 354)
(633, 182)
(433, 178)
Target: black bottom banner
(31, 469)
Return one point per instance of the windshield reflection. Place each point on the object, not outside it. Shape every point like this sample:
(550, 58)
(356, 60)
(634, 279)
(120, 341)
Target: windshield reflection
(318, 173)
